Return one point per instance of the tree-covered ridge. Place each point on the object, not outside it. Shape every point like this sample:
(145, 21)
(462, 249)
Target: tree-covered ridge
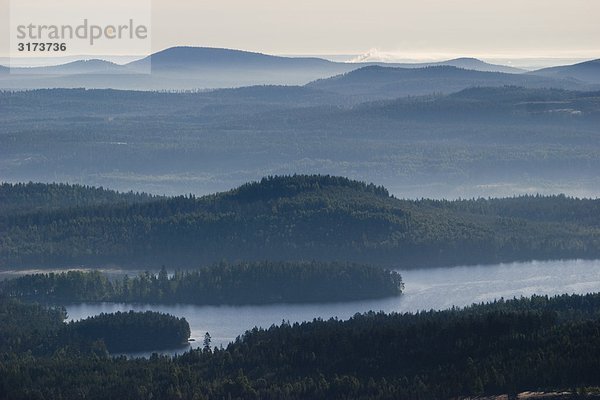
(503, 347)
(273, 187)
(242, 283)
(33, 197)
(130, 331)
(558, 208)
(304, 218)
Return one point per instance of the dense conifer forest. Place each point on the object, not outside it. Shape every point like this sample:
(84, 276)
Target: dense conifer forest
(244, 283)
(40, 331)
(130, 331)
(296, 218)
(23, 198)
(504, 347)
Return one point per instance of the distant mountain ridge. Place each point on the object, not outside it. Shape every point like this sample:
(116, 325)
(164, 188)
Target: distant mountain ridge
(479, 65)
(180, 68)
(185, 68)
(471, 63)
(194, 57)
(93, 66)
(379, 82)
(202, 57)
(588, 71)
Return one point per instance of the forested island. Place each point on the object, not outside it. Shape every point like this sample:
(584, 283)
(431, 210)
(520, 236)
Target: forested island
(504, 347)
(296, 218)
(130, 331)
(41, 330)
(222, 283)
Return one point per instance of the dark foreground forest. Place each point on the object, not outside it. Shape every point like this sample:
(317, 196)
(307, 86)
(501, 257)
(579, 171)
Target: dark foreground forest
(505, 347)
(296, 218)
(243, 283)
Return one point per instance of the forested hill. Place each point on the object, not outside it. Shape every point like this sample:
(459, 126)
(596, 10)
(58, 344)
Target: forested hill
(278, 187)
(377, 82)
(303, 217)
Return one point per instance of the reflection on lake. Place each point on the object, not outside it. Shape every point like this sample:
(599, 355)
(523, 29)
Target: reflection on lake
(437, 288)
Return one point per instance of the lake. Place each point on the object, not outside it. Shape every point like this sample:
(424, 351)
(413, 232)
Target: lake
(436, 288)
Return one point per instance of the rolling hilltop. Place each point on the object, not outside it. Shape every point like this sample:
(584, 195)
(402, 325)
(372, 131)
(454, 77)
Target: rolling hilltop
(588, 71)
(382, 82)
(304, 217)
(207, 57)
(462, 62)
(93, 66)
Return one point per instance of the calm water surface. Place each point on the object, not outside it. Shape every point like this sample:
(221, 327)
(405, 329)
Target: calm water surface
(437, 288)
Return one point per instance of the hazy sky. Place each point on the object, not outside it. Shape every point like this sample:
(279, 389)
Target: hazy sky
(396, 28)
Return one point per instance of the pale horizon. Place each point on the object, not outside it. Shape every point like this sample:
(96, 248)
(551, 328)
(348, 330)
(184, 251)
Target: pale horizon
(550, 31)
